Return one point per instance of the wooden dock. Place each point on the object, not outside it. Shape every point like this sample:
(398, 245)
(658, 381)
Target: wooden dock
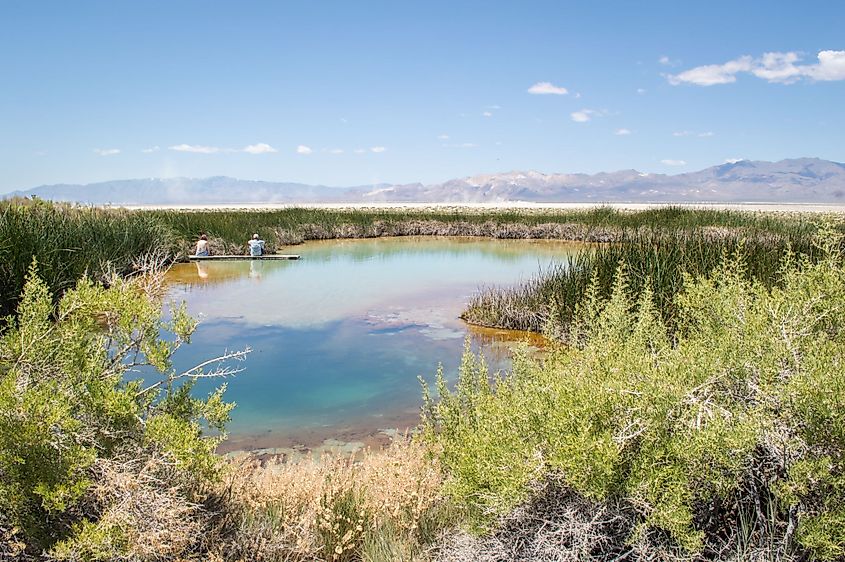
(236, 257)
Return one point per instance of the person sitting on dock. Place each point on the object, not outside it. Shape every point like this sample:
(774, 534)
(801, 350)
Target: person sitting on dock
(256, 246)
(202, 246)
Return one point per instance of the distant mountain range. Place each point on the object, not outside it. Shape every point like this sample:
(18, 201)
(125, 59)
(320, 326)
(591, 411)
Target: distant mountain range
(799, 180)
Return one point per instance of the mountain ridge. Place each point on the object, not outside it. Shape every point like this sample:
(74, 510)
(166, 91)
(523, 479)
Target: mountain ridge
(796, 180)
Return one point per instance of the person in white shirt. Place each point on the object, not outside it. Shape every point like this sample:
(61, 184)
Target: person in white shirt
(202, 246)
(256, 246)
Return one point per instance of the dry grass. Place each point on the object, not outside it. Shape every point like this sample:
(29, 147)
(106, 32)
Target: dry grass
(156, 520)
(338, 508)
(142, 512)
(556, 525)
(383, 507)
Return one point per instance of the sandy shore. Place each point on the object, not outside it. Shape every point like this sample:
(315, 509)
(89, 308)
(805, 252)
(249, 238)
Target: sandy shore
(522, 205)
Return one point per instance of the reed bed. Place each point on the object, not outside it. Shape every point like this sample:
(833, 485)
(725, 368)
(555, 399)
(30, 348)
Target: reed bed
(229, 229)
(658, 258)
(69, 241)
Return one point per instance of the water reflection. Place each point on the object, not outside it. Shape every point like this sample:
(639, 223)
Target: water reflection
(255, 269)
(341, 335)
(202, 271)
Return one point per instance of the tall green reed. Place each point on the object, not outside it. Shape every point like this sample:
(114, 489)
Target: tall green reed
(68, 242)
(658, 258)
(282, 227)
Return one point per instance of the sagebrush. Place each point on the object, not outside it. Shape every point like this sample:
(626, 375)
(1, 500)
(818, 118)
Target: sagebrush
(728, 435)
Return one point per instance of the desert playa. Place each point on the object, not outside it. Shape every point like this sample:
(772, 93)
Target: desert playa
(510, 205)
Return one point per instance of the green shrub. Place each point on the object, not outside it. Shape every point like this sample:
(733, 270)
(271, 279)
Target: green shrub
(744, 406)
(71, 417)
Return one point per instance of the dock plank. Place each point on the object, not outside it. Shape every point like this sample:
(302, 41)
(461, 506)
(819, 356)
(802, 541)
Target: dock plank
(230, 257)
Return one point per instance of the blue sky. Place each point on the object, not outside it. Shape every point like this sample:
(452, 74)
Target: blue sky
(353, 93)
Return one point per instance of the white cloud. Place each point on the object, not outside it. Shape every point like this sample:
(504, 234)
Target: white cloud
(443, 137)
(335, 151)
(670, 162)
(580, 116)
(641, 91)
(773, 67)
(106, 151)
(302, 149)
(781, 67)
(487, 114)
(777, 67)
(260, 148)
(733, 160)
(360, 150)
(584, 115)
(196, 148)
(664, 60)
(831, 66)
(541, 88)
(704, 134)
(712, 74)
(622, 132)
(151, 150)
(494, 107)
(377, 149)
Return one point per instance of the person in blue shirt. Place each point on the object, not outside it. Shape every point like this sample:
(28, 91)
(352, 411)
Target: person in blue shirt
(256, 246)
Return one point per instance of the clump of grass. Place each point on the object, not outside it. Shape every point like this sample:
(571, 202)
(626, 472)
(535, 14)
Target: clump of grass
(339, 509)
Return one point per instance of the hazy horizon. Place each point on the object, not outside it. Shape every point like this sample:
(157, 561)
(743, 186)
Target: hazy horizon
(338, 186)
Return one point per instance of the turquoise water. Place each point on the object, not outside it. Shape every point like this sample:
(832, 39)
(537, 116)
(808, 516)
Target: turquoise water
(339, 337)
